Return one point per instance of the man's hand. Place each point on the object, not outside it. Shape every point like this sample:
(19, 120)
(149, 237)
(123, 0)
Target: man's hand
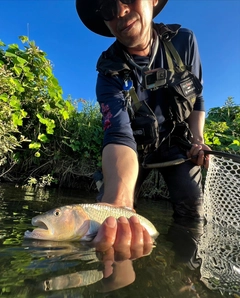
(118, 242)
(197, 150)
(123, 239)
(116, 275)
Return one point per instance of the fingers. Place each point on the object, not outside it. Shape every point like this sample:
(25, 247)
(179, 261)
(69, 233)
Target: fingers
(198, 156)
(137, 241)
(106, 234)
(123, 239)
(122, 245)
(206, 161)
(142, 242)
(148, 243)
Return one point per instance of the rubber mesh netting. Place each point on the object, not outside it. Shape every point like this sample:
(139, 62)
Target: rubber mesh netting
(219, 250)
(219, 246)
(222, 193)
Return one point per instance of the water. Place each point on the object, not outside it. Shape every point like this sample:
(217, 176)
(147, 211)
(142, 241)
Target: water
(177, 267)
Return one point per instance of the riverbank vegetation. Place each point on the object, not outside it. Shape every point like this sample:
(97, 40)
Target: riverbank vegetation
(40, 132)
(45, 139)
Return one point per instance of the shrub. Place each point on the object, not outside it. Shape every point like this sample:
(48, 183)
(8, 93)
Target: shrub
(41, 133)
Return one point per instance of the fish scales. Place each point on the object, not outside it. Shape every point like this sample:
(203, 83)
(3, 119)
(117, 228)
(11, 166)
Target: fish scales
(99, 212)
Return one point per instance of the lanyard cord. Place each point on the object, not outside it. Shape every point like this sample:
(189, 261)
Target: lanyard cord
(154, 52)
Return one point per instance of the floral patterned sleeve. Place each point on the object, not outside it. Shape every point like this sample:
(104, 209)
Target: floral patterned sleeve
(115, 120)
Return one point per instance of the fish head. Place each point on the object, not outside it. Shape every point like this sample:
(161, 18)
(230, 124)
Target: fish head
(66, 223)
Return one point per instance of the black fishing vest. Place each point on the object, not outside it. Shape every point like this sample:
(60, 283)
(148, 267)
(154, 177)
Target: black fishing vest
(183, 87)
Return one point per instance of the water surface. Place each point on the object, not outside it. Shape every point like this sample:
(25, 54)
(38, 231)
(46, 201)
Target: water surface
(182, 264)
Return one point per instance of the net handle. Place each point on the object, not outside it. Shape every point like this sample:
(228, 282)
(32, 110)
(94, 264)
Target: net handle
(165, 164)
(234, 157)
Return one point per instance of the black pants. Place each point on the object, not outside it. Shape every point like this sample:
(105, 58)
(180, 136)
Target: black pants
(184, 182)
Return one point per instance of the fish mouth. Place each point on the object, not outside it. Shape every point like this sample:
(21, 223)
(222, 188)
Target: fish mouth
(40, 232)
(39, 224)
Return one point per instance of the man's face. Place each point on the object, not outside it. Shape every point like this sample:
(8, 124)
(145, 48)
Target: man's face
(132, 25)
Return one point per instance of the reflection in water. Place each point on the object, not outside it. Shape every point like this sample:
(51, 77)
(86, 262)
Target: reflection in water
(113, 275)
(63, 252)
(186, 262)
(214, 249)
(184, 236)
(219, 250)
(72, 280)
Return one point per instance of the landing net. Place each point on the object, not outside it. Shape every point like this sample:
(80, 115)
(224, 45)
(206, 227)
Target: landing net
(219, 251)
(222, 193)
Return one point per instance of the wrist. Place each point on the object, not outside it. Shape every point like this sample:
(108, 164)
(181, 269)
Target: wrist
(198, 141)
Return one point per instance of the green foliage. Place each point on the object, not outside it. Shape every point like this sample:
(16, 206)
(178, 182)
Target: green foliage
(85, 132)
(35, 117)
(222, 129)
(42, 182)
(32, 92)
(10, 137)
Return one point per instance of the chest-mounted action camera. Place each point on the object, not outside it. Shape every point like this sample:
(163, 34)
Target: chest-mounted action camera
(154, 78)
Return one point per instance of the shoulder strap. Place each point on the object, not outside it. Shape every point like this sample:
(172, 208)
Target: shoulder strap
(172, 52)
(166, 33)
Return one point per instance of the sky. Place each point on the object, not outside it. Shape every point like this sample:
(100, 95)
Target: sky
(74, 50)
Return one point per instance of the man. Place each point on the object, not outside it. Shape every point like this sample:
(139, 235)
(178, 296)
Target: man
(140, 43)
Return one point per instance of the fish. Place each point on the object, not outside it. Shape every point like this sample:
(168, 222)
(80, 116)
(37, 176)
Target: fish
(72, 280)
(79, 222)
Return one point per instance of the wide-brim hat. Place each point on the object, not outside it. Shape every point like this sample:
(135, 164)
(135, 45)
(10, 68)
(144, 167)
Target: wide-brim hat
(86, 10)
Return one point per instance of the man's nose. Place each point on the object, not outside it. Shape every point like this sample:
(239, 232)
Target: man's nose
(122, 9)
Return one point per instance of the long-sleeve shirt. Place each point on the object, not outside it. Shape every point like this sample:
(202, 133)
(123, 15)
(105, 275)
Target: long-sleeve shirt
(110, 95)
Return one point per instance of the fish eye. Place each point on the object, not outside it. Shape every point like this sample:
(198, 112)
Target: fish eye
(57, 212)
